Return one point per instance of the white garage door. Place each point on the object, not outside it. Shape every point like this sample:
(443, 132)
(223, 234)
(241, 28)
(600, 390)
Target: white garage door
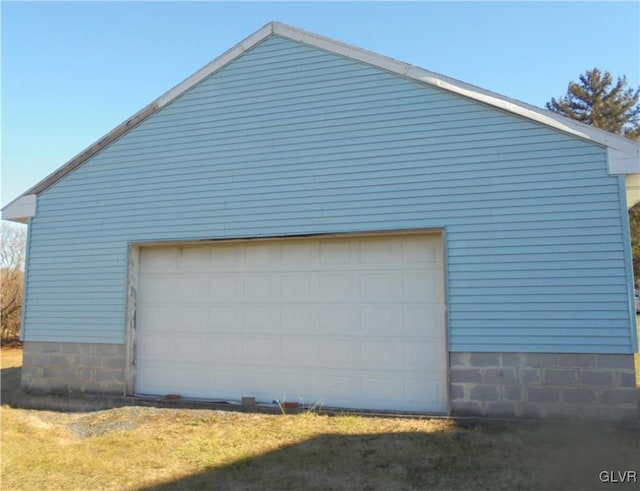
(353, 322)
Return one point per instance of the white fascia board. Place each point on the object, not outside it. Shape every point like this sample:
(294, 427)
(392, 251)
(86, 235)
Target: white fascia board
(622, 163)
(291, 32)
(20, 209)
(523, 109)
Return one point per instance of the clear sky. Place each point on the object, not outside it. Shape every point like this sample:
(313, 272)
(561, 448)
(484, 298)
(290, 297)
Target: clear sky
(73, 71)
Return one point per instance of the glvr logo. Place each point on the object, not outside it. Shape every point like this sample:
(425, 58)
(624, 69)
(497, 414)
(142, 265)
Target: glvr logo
(618, 476)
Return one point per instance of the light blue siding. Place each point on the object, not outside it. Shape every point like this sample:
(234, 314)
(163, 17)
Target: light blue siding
(291, 140)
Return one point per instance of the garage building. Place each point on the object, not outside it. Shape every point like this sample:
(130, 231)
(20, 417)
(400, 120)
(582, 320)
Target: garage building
(302, 220)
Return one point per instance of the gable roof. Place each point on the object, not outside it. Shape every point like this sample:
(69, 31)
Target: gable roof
(624, 155)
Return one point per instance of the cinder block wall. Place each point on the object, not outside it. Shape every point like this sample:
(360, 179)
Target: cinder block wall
(531, 385)
(61, 368)
(542, 385)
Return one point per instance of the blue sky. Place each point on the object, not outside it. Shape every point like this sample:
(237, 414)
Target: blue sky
(73, 71)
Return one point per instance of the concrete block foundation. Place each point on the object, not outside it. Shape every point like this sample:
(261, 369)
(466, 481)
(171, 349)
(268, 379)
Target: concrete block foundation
(528, 385)
(544, 385)
(64, 368)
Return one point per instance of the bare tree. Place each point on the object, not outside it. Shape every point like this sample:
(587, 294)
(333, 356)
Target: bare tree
(12, 254)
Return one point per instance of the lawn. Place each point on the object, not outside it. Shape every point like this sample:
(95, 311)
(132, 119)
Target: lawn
(160, 449)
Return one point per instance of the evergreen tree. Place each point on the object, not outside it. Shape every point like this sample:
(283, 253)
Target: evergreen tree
(597, 101)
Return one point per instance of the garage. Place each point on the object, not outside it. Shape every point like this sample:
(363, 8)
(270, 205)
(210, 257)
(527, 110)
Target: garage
(289, 245)
(342, 321)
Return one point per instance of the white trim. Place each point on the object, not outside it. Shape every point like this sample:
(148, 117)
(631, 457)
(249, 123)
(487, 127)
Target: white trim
(133, 274)
(621, 163)
(628, 148)
(20, 209)
(632, 186)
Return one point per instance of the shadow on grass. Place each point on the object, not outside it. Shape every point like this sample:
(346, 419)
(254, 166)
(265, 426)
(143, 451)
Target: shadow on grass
(468, 456)
(10, 382)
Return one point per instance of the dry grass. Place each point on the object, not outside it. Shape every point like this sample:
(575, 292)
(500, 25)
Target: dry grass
(153, 448)
(10, 358)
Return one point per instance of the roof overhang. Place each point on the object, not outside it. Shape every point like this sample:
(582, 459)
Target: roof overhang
(623, 154)
(20, 209)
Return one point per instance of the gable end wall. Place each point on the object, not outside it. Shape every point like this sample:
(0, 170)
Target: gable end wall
(291, 140)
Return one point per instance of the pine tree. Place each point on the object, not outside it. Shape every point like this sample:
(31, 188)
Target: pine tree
(596, 101)
(615, 108)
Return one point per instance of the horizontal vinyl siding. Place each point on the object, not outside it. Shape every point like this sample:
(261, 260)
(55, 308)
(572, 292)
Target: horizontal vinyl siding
(291, 140)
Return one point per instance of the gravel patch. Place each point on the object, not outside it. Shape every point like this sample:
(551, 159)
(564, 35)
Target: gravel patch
(128, 418)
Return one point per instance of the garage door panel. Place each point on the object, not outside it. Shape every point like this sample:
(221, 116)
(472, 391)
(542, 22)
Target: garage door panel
(418, 287)
(261, 288)
(298, 386)
(382, 391)
(340, 353)
(422, 249)
(299, 319)
(375, 321)
(356, 322)
(261, 319)
(190, 381)
(381, 353)
(299, 254)
(261, 350)
(301, 287)
(159, 346)
(300, 351)
(380, 287)
(191, 257)
(265, 254)
(339, 319)
(423, 321)
(225, 287)
(341, 388)
(335, 286)
(263, 384)
(190, 318)
(376, 251)
(158, 377)
(156, 317)
(190, 347)
(226, 258)
(416, 352)
(224, 379)
(224, 349)
(190, 288)
(159, 288)
(335, 252)
(158, 260)
(423, 393)
(224, 319)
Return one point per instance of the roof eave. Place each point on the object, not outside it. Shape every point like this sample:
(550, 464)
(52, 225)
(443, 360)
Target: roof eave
(20, 209)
